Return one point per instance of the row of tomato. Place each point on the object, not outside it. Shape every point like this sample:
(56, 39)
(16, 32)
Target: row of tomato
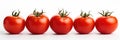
(38, 23)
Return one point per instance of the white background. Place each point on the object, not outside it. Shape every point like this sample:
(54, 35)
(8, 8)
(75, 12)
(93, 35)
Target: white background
(51, 8)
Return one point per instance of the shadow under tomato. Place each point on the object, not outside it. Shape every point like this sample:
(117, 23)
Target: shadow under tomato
(82, 33)
(59, 34)
(12, 34)
(36, 34)
(104, 33)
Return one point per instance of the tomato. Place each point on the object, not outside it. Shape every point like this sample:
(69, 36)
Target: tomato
(37, 23)
(84, 24)
(106, 24)
(14, 24)
(61, 24)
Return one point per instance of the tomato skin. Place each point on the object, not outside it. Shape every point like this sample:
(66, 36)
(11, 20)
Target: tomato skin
(37, 25)
(84, 25)
(61, 25)
(14, 25)
(106, 25)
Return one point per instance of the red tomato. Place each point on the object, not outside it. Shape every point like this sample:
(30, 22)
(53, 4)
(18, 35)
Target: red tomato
(37, 23)
(61, 24)
(14, 24)
(84, 24)
(106, 24)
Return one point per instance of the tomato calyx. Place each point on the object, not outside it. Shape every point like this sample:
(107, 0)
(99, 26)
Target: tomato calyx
(37, 14)
(15, 13)
(63, 13)
(85, 14)
(105, 13)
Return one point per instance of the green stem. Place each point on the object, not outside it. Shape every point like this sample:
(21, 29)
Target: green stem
(63, 13)
(84, 14)
(15, 13)
(37, 14)
(105, 13)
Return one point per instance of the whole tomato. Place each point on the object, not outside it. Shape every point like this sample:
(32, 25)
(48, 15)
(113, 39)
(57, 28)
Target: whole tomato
(84, 24)
(14, 24)
(37, 23)
(61, 24)
(106, 24)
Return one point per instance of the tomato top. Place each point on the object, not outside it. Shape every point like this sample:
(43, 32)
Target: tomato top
(108, 18)
(13, 17)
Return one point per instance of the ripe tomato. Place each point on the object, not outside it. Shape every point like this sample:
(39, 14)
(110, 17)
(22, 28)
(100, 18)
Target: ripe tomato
(37, 23)
(14, 24)
(106, 24)
(61, 24)
(84, 24)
